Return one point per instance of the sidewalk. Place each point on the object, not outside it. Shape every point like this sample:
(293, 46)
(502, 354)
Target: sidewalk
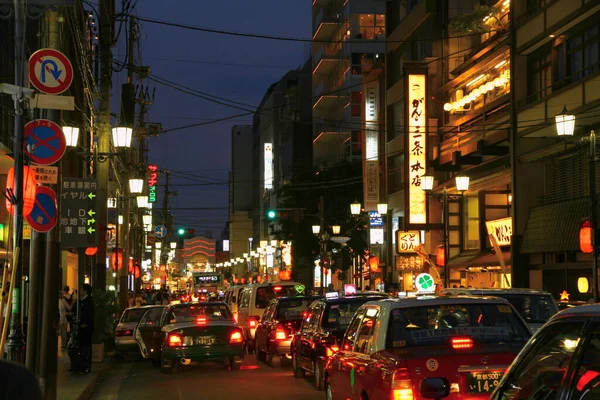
(74, 386)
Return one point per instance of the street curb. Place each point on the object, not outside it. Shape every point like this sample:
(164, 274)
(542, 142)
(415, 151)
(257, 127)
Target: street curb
(90, 387)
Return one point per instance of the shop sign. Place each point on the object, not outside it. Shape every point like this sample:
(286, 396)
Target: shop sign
(268, 170)
(152, 182)
(501, 230)
(416, 148)
(425, 284)
(371, 148)
(409, 263)
(407, 242)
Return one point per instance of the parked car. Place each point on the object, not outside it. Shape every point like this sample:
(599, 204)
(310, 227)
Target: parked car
(253, 301)
(535, 306)
(280, 321)
(231, 298)
(124, 341)
(191, 332)
(561, 362)
(321, 333)
(392, 346)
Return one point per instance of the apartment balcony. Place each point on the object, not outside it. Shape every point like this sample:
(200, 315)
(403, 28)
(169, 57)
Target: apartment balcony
(326, 23)
(321, 3)
(538, 28)
(327, 58)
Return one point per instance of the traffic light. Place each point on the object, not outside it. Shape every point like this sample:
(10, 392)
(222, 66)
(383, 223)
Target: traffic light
(186, 233)
(181, 231)
(273, 215)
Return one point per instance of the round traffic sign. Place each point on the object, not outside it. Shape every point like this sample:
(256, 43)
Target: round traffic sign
(45, 141)
(50, 71)
(160, 231)
(44, 214)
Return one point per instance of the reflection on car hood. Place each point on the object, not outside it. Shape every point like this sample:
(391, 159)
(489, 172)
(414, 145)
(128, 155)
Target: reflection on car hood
(184, 325)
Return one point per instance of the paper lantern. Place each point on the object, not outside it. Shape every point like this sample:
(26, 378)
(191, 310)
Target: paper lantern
(29, 185)
(90, 251)
(130, 266)
(325, 271)
(583, 285)
(440, 256)
(116, 259)
(285, 275)
(585, 237)
(374, 263)
(136, 273)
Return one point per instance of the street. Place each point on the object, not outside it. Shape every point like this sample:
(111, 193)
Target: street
(139, 379)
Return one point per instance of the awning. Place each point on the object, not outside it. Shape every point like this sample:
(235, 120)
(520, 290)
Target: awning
(482, 259)
(555, 228)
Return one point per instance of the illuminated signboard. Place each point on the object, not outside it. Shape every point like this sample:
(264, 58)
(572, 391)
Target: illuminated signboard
(268, 166)
(416, 148)
(501, 230)
(152, 182)
(371, 148)
(226, 245)
(407, 242)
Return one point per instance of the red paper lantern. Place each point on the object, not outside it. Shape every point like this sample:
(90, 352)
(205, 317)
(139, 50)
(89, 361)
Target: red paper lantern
(374, 263)
(440, 256)
(585, 237)
(90, 251)
(285, 275)
(116, 259)
(130, 266)
(29, 186)
(136, 273)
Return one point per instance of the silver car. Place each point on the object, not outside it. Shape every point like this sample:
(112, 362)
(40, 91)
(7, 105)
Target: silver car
(124, 341)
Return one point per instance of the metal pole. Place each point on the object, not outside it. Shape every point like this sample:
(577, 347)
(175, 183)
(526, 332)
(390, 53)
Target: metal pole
(594, 214)
(49, 342)
(123, 273)
(323, 249)
(446, 238)
(15, 344)
(116, 250)
(34, 312)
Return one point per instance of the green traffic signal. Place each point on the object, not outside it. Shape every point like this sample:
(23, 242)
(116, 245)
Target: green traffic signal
(181, 231)
(271, 214)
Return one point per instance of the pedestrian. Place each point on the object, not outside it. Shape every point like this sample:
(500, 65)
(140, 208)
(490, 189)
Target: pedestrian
(64, 311)
(139, 300)
(86, 326)
(18, 383)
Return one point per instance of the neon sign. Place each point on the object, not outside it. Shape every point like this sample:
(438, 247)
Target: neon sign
(152, 182)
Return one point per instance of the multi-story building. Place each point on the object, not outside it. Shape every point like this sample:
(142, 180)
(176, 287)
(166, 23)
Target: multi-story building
(556, 65)
(348, 37)
(240, 194)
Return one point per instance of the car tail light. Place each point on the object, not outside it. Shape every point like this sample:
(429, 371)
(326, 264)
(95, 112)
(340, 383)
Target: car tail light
(124, 333)
(252, 323)
(235, 317)
(174, 341)
(402, 385)
(280, 334)
(201, 321)
(277, 288)
(331, 350)
(459, 343)
(236, 337)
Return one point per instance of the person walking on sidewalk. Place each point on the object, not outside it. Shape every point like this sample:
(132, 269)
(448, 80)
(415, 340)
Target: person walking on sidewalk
(86, 326)
(64, 310)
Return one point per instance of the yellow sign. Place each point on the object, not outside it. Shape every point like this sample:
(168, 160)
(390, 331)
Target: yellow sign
(407, 242)
(416, 147)
(409, 263)
(501, 230)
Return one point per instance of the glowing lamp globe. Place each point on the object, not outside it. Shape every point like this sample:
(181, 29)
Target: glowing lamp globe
(440, 256)
(374, 263)
(90, 251)
(585, 237)
(29, 188)
(583, 285)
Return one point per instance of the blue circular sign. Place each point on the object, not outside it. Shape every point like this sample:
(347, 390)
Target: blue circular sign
(45, 141)
(43, 216)
(160, 231)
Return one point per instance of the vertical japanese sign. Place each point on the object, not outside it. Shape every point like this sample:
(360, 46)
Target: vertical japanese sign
(152, 182)
(371, 147)
(268, 166)
(78, 225)
(416, 149)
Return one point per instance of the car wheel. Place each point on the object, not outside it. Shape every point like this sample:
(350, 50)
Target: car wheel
(273, 360)
(234, 364)
(328, 392)
(298, 372)
(167, 367)
(318, 375)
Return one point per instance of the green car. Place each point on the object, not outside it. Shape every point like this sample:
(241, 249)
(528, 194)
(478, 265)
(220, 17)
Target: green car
(190, 332)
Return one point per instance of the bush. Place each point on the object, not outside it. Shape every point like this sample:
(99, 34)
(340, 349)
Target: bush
(105, 308)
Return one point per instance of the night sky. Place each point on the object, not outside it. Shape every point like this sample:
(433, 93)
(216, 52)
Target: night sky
(236, 68)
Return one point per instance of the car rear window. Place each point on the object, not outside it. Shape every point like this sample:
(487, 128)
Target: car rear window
(535, 309)
(133, 315)
(436, 325)
(338, 316)
(289, 310)
(216, 312)
(267, 293)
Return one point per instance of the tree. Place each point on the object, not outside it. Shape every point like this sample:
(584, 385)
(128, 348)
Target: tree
(477, 20)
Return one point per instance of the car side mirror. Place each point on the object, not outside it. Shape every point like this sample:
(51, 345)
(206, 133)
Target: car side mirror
(435, 388)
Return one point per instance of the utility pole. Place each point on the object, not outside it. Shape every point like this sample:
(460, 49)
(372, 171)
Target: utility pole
(106, 10)
(15, 344)
(164, 252)
(323, 244)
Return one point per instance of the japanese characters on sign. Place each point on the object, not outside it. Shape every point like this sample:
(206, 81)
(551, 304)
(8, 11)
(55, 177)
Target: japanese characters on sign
(268, 170)
(375, 219)
(409, 263)
(78, 227)
(152, 182)
(45, 174)
(501, 230)
(407, 242)
(371, 148)
(416, 148)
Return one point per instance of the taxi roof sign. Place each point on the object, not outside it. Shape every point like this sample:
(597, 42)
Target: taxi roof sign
(425, 284)
(332, 295)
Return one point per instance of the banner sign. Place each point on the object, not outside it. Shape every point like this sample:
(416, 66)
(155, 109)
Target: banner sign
(416, 149)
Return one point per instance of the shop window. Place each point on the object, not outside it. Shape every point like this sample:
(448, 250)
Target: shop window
(471, 223)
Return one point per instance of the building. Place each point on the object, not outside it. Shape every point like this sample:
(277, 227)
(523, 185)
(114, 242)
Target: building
(556, 66)
(348, 37)
(240, 193)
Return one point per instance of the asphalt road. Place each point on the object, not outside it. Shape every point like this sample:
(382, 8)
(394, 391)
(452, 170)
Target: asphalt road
(139, 379)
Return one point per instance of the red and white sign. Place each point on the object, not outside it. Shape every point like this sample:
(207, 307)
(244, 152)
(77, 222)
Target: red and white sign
(50, 71)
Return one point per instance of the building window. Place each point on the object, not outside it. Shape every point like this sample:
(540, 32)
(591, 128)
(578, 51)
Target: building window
(471, 223)
(395, 173)
(356, 104)
(540, 75)
(395, 117)
(368, 26)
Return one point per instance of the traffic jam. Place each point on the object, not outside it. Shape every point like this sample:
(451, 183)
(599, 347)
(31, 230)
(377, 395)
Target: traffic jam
(428, 344)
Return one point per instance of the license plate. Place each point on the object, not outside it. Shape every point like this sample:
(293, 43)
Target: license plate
(205, 340)
(483, 382)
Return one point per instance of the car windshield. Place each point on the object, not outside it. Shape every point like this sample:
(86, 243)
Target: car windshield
(267, 293)
(435, 325)
(133, 315)
(338, 316)
(190, 313)
(535, 309)
(292, 309)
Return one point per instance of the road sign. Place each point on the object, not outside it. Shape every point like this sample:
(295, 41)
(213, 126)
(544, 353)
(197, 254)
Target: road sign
(43, 215)
(50, 71)
(160, 231)
(78, 225)
(45, 174)
(45, 141)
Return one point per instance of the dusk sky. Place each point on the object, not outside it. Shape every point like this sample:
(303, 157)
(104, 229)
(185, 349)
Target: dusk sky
(235, 68)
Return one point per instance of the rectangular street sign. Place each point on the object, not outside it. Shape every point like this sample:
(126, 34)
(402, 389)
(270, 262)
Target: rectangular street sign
(45, 174)
(78, 226)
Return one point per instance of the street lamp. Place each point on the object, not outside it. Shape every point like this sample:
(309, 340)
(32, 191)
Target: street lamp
(355, 208)
(147, 219)
(173, 245)
(462, 183)
(120, 220)
(142, 201)
(122, 136)
(71, 135)
(136, 185)
(382, 208)
(336, 229)
(316, 229)
(111, 202)
(565, 126)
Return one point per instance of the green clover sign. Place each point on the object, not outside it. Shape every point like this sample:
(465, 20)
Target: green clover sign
(300, 288)
(425, 282)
